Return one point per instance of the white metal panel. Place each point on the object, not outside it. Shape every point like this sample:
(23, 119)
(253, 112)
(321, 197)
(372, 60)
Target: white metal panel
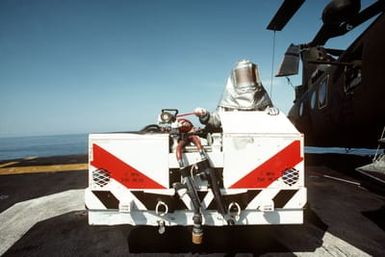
(185, 218)
(257, 122)
(146, 153)
(244, 153)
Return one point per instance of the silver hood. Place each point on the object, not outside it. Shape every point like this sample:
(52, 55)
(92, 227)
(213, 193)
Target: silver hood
(244, 89)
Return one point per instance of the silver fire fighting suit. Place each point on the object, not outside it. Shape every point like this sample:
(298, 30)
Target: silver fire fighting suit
(243, 92)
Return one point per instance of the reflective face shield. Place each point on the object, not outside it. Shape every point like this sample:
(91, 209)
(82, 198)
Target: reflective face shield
(244, 75)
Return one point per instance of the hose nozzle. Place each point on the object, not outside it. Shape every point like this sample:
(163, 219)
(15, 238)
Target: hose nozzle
(197, 235)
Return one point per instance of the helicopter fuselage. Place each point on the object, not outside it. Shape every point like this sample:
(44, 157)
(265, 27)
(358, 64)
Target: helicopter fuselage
(341, 101)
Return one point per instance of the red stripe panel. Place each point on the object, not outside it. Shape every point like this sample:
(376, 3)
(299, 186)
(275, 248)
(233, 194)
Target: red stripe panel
(121, 171)
(265, 174)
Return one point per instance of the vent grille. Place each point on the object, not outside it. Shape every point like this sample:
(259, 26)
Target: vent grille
(101, 177)
(290, 176)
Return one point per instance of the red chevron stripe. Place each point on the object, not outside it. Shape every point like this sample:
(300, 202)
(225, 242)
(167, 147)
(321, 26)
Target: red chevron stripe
(121, 171)
(265, 174)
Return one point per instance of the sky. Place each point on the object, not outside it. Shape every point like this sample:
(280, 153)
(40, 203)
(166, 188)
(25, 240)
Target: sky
(83, 66)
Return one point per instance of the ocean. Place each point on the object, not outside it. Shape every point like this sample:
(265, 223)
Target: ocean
(42, 146)
(45, 146)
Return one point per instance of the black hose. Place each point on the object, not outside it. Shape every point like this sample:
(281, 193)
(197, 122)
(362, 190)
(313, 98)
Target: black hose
(191, 191)
(152, 128)
(214, 184)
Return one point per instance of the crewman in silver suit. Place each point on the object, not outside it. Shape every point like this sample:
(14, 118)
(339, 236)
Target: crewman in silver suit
(243, 92)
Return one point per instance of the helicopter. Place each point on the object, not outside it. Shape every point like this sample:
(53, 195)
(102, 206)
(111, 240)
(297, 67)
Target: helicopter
(341, 102)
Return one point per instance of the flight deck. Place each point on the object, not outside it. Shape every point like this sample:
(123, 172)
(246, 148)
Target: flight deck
(43, 214)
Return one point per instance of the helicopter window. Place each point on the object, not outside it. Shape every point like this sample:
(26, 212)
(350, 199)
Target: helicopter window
(300, 111)
(322, 93)
(316, 75)
(352, 77)
(313, 100)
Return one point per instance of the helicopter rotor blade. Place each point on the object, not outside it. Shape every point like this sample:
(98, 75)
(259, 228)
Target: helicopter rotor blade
(284, 14)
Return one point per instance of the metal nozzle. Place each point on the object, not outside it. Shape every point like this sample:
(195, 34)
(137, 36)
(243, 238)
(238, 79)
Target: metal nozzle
(197, 235)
